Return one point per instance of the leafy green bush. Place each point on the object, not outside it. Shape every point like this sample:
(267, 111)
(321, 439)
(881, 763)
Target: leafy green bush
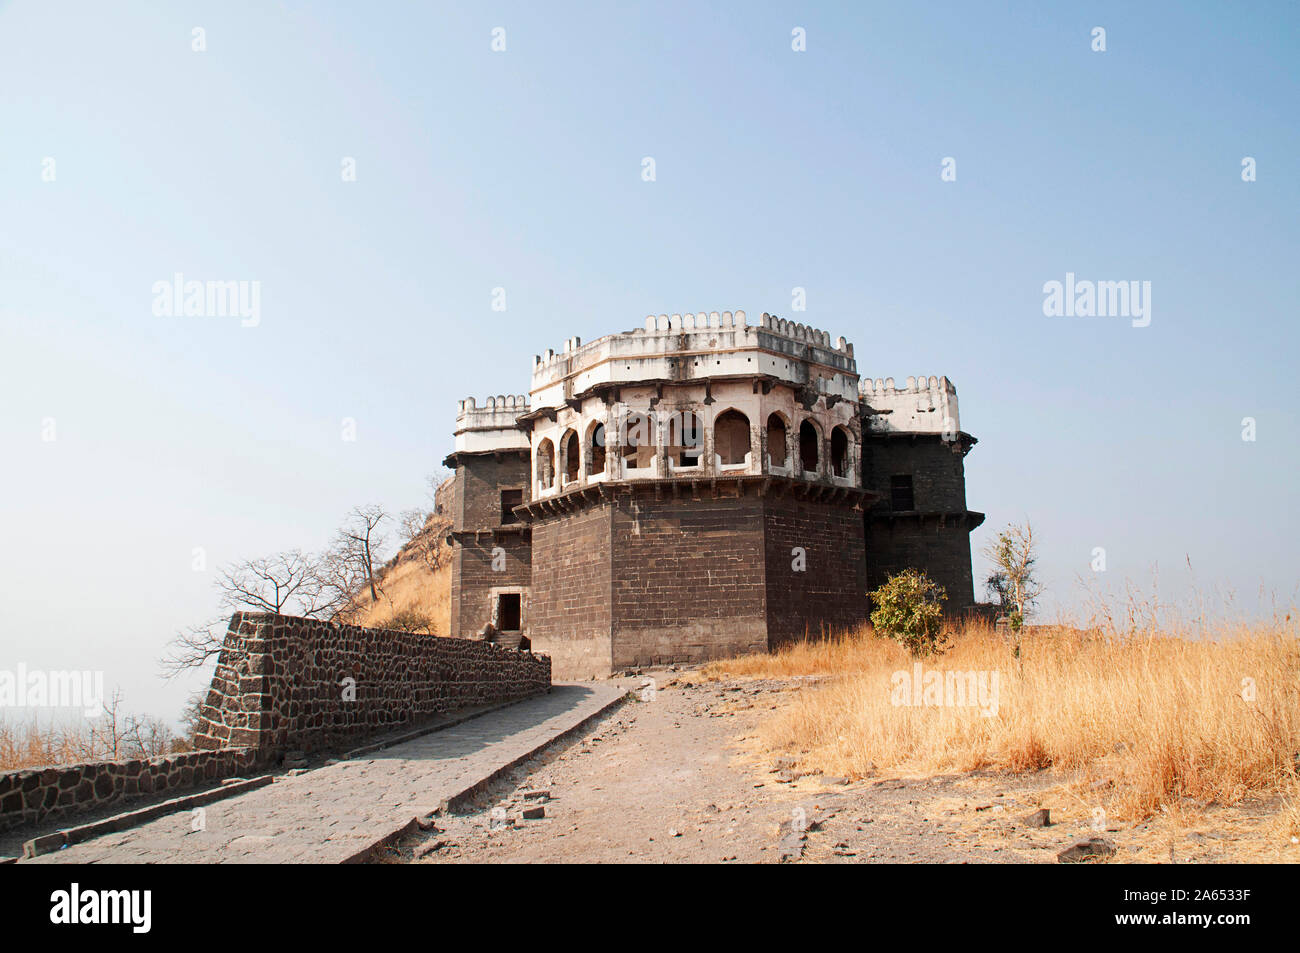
(908, 609)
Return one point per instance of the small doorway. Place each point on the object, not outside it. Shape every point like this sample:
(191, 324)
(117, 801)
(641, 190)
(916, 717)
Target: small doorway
(508, 612)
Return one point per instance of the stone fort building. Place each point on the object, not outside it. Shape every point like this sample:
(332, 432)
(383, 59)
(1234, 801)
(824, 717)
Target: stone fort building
(700, 487)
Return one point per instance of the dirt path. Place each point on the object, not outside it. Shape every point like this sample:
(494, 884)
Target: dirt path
(651, 782)
(664, 780)
(670, 779)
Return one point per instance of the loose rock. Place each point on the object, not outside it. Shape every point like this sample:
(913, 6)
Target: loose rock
(1040, 818)
(1086, 851)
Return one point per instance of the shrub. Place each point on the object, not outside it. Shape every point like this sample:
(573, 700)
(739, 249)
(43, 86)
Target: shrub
(410, 620)
(908, 609)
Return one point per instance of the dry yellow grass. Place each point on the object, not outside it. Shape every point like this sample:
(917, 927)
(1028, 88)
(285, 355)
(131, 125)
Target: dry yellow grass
(1153, 718)
(411, 586)
(1288, 818)
(29, 744)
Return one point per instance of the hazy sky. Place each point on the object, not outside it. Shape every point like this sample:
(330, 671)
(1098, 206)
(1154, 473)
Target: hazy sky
(130, 439)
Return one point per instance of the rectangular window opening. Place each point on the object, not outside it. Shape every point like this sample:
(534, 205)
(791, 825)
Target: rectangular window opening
(509, 500)
(900, 493)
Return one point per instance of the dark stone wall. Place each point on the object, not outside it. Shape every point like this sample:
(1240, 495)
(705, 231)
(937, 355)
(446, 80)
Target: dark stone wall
(940, 550)
(937, 469)
(476, 502)
(636, 580)
(445, 502)
(935, 536)
(688, 578)
(37, 794)
(476, 514)
(279, 682)
(569, 610)
(473, 578)
(830, 594)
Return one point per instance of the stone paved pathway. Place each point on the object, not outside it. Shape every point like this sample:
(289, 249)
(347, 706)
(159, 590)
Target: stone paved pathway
(333, 813)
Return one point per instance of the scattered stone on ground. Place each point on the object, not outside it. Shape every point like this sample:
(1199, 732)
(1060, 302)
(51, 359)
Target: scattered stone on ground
(1094, 848)
(671, 780)
(679, 778)
(1040, 818)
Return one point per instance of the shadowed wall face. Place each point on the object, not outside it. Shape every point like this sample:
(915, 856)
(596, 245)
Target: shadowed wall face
(687, 579)
(816, 569)
(936, 467)
(636, 580)
(570, 605)
(493, 556)
(920, 520)
(289, 683)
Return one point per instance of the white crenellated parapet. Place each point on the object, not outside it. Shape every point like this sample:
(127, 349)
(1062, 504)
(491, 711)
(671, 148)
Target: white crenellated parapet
(492, 426)
(922, 405)
(695, 346)
(699, 321)
(501, 404)
(805, 334)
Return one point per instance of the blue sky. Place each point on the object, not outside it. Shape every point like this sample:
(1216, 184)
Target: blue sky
(521, 169)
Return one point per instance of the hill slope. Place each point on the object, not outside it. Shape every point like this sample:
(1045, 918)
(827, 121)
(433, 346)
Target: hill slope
(415, 585)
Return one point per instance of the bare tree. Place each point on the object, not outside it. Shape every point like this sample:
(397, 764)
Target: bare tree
(268, 584)
(411, 620)
(191, 714)
(145, 737)
(105, 738)
(425, 537)
(359, 540)
(409, 525)
(340, 575)
(1013, 555)
(193, 647)
(289, 582)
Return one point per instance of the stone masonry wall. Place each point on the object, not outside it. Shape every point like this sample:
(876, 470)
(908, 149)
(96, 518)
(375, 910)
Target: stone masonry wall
(687, 578)
(474, 579)
(935, 536)
(941, 551)
(479, 480)
(281, 682)
(938, 473)
(37, 794)
(644, 579)
(569, 611)
(830, 593)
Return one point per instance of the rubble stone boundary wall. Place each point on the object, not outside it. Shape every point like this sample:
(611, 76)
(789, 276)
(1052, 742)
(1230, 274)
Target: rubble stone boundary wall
(286, 683)
(30, 795)
(279, 685)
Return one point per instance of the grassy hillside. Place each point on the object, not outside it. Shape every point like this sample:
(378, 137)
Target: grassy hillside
(415, 585)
